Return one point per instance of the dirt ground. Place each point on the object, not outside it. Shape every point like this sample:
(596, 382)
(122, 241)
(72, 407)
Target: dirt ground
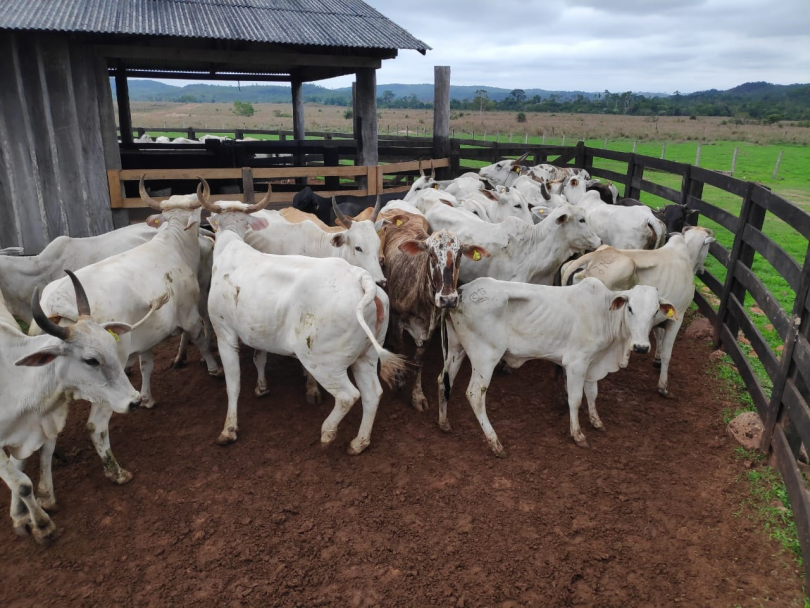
(649, 516)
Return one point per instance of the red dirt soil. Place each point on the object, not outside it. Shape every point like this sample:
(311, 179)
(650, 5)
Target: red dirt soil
(646, 517)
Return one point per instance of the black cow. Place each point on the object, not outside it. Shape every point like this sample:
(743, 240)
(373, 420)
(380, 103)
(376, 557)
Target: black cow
(308, 201)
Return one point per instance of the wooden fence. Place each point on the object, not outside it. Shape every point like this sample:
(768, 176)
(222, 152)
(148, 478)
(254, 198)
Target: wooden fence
(372, 178)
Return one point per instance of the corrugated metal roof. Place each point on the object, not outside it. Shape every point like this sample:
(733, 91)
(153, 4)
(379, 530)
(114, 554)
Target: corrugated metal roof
(342, 23)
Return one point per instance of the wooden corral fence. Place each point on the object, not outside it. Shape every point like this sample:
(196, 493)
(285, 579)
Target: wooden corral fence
(372, 178)
(785, 414)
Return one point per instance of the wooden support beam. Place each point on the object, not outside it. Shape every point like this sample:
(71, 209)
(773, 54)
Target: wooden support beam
(366, 110)
(124, 115)
(441, 113)
(298, 111)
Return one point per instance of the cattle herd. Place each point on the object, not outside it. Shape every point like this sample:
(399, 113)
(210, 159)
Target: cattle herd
(511, 264)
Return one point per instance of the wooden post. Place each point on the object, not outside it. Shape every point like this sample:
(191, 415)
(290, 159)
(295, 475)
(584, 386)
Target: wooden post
(455, 158)
(299, 126)
(247, 185)
(663, 150)
(526, 141)
(441, 114)
(697, 156)
(634, 171)
(354, 110)
(733, 162)
(606, 143)
(634, 146)
(109, 139)
(776, 168)
(366, 111)
(124, 115)
(407, 131)
(563, 139)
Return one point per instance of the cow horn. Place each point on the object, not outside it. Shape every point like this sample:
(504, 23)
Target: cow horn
(377, 207)
(82, 303)
(421, 170)
(345, 221)
(521, 159)
(45, 324)
(203, 192)
(544, 191)
(145, 197)
(262, 203)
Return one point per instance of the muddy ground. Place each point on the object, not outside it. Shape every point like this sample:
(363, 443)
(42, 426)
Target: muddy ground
(649, 516)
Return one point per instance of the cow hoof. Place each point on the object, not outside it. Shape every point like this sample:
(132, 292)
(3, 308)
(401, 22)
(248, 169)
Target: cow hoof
(46, 534)
(357, 446)
(597, 424)
(216, 373)
(497, 449)
(657, 364)
(664, 393)
(582, 442)
(445, 426)
(420, 403)
(178, 364)
(47, 502)
(261, 392)
(226, 438)
(122, 478)
(327, 437)
(314, 398)
(148, 403)
(22, 528)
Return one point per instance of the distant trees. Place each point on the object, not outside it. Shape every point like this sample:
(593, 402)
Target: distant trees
(243, 108)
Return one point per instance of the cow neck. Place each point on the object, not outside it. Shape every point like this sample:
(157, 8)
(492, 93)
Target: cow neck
(185, 242)
(41, 392)
(18, 277)
(547, 236)
(232, 227)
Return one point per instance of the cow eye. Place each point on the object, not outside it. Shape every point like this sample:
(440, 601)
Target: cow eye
(517, 206)
(630, 308)
(582, 221)
(92, 362)
(358, 249)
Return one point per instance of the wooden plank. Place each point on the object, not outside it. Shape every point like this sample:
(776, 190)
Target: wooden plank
(441, 113)
(660, 164)
(669, 194)
(750, 331)
(124, 114)
(276, 197)
(729, 343)
(718, 180)
(607, 174)
(797, 493)
(624, 157)
(712, 282)
(635, 172)
(414, 165)
(114, 184)
(801, 357)
(716, 214)
(249, 195)
(14, 163)
(779, 259)
(792, 214)
(721, 253)
(751, 283)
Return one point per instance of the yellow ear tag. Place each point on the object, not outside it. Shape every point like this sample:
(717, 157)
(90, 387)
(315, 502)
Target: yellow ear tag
(113, 334)
(435, 186)
(670, 313)
(476, 255)
(157, 222)
(517, 169)
(399, 222)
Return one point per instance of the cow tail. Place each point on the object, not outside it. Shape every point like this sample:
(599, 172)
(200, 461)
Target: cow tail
(445, 384)
(658, 236)
(391, 365)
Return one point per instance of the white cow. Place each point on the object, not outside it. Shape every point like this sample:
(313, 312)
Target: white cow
(125, 286)
(502, 172)
(497, 204)
(617, 226)
(41, 376)
(671, 269)
(318, 310)
(518, 251)
(463, 184)
(587, 329)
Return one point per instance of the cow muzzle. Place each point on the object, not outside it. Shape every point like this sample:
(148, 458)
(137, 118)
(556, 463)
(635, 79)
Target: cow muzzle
(382, 283)
(134, 405)
(447, 301)
(641, 348)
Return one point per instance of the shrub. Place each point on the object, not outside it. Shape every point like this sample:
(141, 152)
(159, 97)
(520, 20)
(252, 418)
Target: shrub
(521, 117)
(348, 114)
(280, 114)
(693, 117)
(243, 108)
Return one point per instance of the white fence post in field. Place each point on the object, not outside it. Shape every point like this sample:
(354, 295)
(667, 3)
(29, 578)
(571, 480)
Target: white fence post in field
(497, 137)
(663, 150)
(544, 139)
(527, 138)
(697, 157)
(776, 168)
(510, 137)
(634, 146)
(734, 162)
(485, 135)
(606, 143)
(563, 140)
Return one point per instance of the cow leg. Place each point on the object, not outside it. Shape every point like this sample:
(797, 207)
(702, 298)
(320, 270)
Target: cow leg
(418, 399)
(576, 381)
(229, 353)
(338, 385)
(147, 361)
(180, 359)
(45, 494)
(365, 375)
(26, 514)
(260, 361)
(98, 424)
(658, 332)
(476, 395)
(203, 344)
(313, 390)
(591, 391)
(456, 356)
(398, 346)
(670, 333)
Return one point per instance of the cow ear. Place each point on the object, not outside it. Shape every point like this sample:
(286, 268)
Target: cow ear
(490, 196)
(413, 247)
(444, 201)
(397, 220)
(618, 302)
(474, 252)
(562, 219)
(257, 223)
(117, 329)
(41, 357)
(668, 309)
(194, 218)
(574, 182)
(155, 221)
(338, 239)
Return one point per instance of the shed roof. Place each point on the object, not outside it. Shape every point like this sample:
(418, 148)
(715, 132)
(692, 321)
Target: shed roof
(332, 23)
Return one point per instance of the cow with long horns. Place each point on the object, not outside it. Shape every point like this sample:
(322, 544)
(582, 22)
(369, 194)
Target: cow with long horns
(320, 311)
(42, 375)
(126, 286)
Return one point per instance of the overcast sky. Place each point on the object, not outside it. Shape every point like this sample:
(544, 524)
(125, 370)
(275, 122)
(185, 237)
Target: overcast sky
(593, 45)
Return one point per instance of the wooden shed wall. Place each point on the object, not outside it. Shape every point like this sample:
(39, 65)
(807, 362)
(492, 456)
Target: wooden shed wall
(52, 165)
